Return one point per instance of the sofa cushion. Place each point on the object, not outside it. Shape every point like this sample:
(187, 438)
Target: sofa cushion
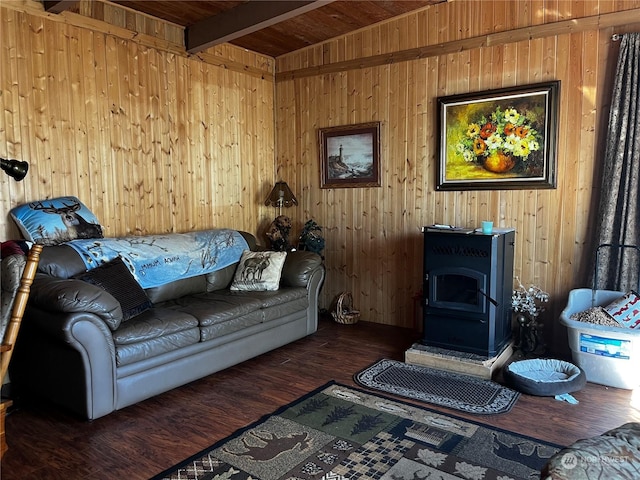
(115, 278)
(224, 312)
(153, 333)
(57, 220)
(217, 307)
(270, 299)
(230, 326)
(259, 271)
(60, 261)
(154, 323)
(280, 303)
(221, 312)
(282, 310)
(220, 279)
(136, 352)
(177, 289)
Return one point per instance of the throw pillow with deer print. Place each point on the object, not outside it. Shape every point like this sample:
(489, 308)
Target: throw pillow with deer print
(259, 271)
(55, 221)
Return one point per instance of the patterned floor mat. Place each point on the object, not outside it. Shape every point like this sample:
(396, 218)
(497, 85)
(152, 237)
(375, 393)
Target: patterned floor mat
(340, 432)
(447, 389)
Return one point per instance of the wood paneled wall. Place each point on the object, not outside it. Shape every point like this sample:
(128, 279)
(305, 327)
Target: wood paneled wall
(373, 235)
(152, 140)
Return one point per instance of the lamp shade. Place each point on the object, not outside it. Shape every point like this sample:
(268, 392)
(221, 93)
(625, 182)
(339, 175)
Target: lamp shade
(281, 196)
(14, 168)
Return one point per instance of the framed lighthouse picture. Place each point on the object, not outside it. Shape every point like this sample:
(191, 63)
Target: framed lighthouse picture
(350, 156)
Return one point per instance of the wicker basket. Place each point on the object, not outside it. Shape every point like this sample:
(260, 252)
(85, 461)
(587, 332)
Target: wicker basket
(345, 313)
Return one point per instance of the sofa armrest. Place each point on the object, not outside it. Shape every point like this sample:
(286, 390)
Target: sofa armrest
(63, 326)
(75, 296)
(68, 358)
(299, 267)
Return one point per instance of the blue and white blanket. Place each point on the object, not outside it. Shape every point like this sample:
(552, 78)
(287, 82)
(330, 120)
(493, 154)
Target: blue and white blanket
(158, 259)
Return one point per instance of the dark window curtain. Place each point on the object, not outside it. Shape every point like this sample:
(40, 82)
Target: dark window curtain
(619, 211)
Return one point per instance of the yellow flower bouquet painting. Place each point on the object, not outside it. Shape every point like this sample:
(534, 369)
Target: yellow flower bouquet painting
(499, 139)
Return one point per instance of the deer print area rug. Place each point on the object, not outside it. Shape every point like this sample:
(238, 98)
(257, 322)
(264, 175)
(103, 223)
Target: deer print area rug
(340, 432)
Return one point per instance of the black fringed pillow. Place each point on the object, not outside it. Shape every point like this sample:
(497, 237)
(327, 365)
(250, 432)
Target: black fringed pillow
(116, 279)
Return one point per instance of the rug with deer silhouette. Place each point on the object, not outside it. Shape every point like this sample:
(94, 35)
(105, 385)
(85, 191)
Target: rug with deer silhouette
(340, 432)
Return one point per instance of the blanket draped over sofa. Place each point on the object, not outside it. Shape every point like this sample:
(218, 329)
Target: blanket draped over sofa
(158, 259)
(77, 349)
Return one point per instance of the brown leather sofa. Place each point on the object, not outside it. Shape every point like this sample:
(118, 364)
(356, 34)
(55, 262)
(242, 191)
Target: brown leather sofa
(74, 351)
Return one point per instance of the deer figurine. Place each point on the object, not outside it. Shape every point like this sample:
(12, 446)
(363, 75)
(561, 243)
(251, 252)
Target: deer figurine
(76, 225)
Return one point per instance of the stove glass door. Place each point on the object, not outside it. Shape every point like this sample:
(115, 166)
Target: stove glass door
(457, 289)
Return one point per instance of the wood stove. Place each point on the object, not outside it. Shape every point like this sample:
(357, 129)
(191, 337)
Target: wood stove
(468, 282)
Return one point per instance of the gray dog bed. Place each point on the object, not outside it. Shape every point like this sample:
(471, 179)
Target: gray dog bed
(545, 377)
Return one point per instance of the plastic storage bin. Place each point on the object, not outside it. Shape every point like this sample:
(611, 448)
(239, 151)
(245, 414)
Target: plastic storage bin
(608, 355)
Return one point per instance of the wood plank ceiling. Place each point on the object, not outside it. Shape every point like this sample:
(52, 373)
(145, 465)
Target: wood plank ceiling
(268, 27)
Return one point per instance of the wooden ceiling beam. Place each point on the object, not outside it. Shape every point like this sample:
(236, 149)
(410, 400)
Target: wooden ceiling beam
(58, 6)
(629, 20)
(243, 20)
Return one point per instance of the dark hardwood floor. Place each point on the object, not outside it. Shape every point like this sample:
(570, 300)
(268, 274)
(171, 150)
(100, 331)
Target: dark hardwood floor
(144, 439)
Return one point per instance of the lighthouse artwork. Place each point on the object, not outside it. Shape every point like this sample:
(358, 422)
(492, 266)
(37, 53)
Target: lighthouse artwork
(357, 163)
(349, 156)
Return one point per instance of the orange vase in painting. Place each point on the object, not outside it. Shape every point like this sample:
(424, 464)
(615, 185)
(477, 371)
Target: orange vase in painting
(499, 162)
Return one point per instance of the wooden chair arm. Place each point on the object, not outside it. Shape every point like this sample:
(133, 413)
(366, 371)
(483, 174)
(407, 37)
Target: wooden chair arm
(19, 306)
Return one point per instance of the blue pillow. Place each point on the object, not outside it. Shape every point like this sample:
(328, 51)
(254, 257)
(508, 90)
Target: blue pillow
(57, 220)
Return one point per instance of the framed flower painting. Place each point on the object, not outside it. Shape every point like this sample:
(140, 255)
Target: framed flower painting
(499, 139)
